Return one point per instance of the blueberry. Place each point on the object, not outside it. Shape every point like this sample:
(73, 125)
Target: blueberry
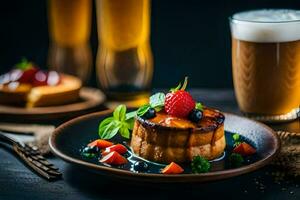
(90, 150)
(150, 113)
(195, 115)
(140, 166)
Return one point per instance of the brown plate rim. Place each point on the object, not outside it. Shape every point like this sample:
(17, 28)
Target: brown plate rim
(210, 176)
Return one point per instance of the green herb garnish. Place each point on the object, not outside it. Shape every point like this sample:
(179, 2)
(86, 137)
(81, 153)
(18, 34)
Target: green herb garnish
(236, 160)
(200, 165)
(88, 155)
(143, 110)
(179, 87)
(199, 106)
(236, 139)
(24, 64)
(157, 101)
(120, 122)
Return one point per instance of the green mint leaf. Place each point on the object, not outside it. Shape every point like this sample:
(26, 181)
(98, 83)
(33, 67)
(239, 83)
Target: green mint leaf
(157, 100)
(130, 115)
(199, 106)
(142, 110)
(120, 113)
(23, 64)
(236, 137)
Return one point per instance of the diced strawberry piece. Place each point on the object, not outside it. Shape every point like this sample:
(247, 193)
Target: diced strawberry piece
(117, 147)
(248, 149)
(172, 168)
(114, 158)
(238, 149)
(244, 149)
(101, 144)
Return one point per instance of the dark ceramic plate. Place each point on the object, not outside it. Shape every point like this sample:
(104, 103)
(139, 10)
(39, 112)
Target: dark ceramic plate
(68, 139)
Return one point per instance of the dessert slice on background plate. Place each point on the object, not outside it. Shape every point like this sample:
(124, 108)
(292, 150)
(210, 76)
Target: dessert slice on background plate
(28, 94)
(27, 85)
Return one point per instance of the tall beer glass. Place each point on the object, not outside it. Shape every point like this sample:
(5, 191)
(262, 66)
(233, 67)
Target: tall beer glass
(69, 28)
(266, 63)
(124, 60)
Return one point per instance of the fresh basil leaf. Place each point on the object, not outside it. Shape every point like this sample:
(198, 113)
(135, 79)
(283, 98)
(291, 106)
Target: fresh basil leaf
(105, 122)
(130, 123)
(142, 110)
(120, 113)
(120, 123)
(125, 132)
(110, 132)
(157, 100)
(106, 127)
(199, 106)
(104, 131)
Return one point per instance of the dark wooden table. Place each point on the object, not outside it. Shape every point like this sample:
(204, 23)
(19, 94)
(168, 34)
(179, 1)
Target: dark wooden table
(18, 182)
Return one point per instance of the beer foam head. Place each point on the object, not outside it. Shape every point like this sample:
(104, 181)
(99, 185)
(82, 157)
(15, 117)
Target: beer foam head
(276, 25)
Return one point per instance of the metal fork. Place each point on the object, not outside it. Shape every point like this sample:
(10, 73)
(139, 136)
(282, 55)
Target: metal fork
(32, 157)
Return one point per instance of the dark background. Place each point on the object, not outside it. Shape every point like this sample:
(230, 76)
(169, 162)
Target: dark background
(190, 37)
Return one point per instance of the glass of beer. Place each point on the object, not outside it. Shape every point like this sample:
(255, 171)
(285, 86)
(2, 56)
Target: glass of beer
(266, 63)
(124, 61)
(69, 29)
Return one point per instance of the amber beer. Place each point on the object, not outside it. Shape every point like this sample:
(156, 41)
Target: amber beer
(124, 60)
(266, 61)
(69, 28)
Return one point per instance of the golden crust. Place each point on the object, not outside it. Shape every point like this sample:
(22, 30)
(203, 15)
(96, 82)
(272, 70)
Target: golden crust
(24, 94)
(178, 145)
(66, 92)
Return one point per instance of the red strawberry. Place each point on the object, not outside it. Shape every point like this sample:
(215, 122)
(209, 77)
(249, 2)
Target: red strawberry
(121, 149)
(28, 75)
(101, 144)
(179, 102)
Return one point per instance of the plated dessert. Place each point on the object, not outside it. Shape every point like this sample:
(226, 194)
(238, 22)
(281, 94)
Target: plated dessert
(27, 85)
(172, 131)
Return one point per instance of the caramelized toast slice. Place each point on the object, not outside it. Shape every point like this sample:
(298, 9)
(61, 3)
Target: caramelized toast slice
(167, 139)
